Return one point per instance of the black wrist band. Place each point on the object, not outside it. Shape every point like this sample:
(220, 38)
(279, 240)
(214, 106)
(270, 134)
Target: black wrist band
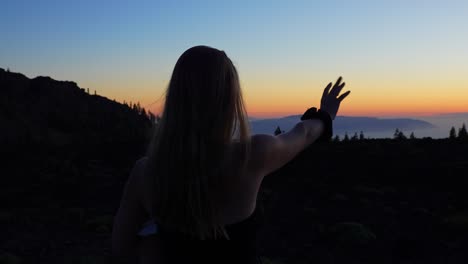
(312, 113)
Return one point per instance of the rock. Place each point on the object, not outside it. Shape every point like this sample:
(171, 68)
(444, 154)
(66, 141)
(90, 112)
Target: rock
(457, 221)
(339, 197)
(93, 260)
(6, 217)
(7, 258)
(351, 233)
(75, 214)
(100, 224)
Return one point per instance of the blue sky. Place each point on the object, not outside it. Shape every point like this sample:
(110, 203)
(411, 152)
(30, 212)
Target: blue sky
(127, 49)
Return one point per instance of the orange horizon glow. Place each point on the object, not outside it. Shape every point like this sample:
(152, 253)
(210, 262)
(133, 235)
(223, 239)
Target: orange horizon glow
(361, 102)
(377, 93)
(377, 114)
(388, 110)
(276, 103)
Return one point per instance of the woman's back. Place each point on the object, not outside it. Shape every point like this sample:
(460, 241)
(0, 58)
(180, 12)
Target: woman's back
(237, 200)
(236, 195)
(239, 213)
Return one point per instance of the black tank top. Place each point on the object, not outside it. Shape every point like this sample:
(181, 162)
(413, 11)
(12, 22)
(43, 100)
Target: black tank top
(241, 248)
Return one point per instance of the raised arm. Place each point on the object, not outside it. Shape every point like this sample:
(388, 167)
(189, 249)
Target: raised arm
(270, 153)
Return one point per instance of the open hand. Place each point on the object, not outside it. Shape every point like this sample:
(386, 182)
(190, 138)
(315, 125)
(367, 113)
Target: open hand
(330, 100)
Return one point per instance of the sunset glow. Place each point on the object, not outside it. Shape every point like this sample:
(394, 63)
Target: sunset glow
(401, 58)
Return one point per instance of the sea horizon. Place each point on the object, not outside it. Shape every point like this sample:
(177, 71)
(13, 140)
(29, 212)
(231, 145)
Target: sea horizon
(442, 123)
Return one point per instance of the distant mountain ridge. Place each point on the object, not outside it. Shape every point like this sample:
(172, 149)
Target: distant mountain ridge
(344, 124)
(55, 112)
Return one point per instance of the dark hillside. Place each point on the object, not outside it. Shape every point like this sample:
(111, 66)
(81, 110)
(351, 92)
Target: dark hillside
(59, 113)
(370, 201)
(67, 154)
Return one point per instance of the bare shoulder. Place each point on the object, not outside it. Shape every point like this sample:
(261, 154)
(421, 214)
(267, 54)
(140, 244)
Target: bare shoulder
(138, 168)
(136, 177)
(261, 142)
(130, 214)
(270, 152)
(261, 146)
(141, 163)
(143, 184)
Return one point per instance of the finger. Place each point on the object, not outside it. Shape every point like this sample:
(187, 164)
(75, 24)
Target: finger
(326, 90)
(337, 82)
(343, 96)
(336, 88)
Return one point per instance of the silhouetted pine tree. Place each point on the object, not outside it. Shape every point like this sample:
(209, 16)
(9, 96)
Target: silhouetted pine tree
(412, 136)
(399, 135)
(152, 117)
(462, 133)
(361, 136)
(346, 137)
(138, 107)
(453, 133)
(355, 137)
(336, 139)
(278, 131)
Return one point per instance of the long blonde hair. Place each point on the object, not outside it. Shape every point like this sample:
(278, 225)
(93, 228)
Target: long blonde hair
(203, 111)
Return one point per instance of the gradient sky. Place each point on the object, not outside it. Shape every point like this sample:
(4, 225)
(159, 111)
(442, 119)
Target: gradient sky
(398, 57)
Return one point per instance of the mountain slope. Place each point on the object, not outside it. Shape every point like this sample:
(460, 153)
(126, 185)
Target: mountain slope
(59, 112)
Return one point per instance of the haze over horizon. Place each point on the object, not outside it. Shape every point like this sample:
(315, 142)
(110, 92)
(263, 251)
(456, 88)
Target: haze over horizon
(397, 58)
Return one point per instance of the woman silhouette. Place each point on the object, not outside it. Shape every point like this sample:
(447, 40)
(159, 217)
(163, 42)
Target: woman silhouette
(203, 170)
